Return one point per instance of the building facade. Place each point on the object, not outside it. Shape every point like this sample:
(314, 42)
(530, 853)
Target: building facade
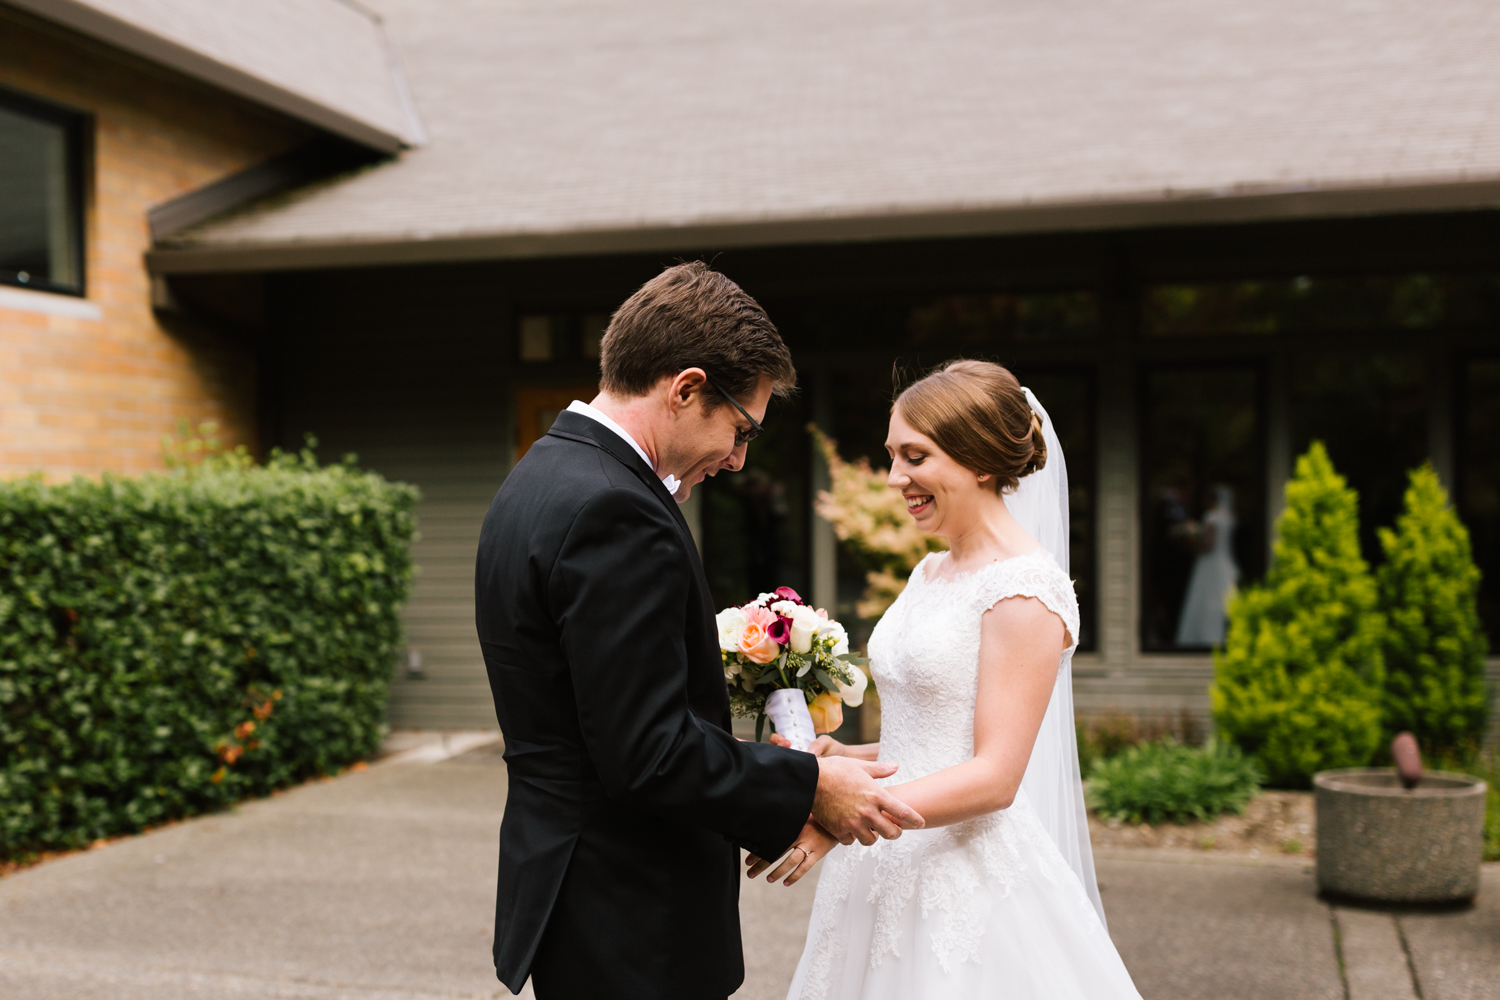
(1203, 244)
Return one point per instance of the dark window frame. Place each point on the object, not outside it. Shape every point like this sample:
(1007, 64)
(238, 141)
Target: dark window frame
(1260, 367)
(1087, 372)
(1463, 472)
(77, 128)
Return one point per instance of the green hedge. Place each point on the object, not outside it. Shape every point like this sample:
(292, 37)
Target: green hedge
(176, 642)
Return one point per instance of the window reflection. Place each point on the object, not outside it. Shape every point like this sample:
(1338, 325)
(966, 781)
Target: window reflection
(984, 320)
(1283, 305)
(755, 520)
(1203, 522)
(39, 200)
(1370, 409)
(1068, 397)
(1479, 480)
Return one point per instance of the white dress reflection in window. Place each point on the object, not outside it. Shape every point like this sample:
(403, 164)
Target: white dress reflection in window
(1214, 575)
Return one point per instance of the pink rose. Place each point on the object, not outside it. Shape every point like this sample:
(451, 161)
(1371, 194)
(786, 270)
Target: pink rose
(756, 644)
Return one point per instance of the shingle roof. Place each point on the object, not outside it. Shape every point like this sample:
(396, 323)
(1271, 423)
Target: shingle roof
(583, 125)
(325, 61)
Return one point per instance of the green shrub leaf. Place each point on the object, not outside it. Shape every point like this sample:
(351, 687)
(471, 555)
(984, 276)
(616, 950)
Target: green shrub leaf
(173, 643)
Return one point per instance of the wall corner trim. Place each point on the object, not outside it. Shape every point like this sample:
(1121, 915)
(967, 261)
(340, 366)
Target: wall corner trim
(50, 303)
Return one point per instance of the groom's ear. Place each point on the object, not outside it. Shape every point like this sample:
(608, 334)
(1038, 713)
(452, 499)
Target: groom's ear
(685, 389)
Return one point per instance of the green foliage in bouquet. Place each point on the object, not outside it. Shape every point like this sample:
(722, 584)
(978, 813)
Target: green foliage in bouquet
(817, 672)
(1434, 643)
(1298, 683)
(1166, 781)
(173, 643)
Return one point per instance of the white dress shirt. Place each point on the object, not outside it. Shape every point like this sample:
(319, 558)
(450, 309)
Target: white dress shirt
(593, 413)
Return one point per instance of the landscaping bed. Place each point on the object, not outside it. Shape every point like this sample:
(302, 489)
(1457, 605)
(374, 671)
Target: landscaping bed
(1274, 823)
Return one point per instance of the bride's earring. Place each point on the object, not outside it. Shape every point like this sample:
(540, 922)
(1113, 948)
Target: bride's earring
(983, 476)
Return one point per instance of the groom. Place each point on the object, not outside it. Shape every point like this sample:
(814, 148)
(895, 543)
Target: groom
(628, 797)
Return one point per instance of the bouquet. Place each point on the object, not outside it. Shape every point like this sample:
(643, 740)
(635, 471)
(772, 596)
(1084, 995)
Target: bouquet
(785, 661)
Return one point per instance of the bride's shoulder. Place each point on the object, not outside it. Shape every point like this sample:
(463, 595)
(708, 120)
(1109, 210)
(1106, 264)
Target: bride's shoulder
(1035, 574)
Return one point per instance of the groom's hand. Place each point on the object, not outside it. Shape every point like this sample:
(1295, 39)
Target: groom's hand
(851, 806)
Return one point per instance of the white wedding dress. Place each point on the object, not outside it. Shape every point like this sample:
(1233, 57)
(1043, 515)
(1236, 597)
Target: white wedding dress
(987, 908)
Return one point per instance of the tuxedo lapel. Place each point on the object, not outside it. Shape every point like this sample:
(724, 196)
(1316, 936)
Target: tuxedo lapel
(577, 427)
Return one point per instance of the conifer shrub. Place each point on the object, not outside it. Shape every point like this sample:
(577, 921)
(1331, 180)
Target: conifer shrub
(1434, 643)
(1298, 684)
(173, 643)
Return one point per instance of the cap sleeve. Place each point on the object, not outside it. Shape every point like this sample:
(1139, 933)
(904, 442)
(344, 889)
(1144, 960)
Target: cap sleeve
(1037, 576)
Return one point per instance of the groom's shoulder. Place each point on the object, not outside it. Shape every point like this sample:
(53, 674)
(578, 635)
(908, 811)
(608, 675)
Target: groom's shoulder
(558, 477)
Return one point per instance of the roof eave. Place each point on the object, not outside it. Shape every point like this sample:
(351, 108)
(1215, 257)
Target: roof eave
(128, 37)
(1166, 209)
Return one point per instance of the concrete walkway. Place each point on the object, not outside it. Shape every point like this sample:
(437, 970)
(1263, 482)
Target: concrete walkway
(379, 886)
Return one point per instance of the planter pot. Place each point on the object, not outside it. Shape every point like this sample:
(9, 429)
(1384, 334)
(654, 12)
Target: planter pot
(1380, 842)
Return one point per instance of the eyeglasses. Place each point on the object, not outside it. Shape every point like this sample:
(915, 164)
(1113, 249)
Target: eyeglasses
(740, 437)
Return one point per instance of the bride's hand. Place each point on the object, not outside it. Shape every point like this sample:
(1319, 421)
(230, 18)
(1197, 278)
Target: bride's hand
(811, 844)
(823, 746)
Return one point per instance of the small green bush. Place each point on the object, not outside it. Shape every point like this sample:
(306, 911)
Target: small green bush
(173, 643)
(1108, 733)
(1434, 643)
(1167, 781)
(1298, 682)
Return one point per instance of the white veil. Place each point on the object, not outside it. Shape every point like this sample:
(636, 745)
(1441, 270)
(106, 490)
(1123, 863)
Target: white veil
(1052, 780)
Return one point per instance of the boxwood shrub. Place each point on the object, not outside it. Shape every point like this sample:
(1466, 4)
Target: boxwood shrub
(176, 642)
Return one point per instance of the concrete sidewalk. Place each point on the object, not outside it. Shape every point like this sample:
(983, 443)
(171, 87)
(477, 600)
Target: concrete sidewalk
(380, 886)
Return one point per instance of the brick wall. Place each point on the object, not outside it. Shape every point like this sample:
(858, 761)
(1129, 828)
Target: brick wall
(90, 393)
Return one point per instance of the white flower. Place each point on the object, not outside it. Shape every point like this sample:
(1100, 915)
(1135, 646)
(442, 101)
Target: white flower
(731, 622)
(785, 608)
(853, 694)
(829, 627)
(763, 600)
(805, 625)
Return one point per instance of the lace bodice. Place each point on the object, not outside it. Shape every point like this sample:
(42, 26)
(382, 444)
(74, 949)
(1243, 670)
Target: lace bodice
(937, 889)
(924, 655)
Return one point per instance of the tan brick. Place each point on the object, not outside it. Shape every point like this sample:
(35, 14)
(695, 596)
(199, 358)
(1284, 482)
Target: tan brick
(81, 396)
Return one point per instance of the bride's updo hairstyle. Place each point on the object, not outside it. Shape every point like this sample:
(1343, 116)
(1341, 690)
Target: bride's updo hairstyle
(977, 413)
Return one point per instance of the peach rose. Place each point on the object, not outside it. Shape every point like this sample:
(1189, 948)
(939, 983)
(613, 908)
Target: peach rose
(755, 644)
(827, 713)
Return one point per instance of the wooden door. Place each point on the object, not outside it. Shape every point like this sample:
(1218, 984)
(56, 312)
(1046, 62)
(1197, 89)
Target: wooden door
(538, 406)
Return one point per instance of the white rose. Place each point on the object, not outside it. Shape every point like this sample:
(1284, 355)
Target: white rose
(840, 637)
(853, 694)
(731, 622)
(805, 625)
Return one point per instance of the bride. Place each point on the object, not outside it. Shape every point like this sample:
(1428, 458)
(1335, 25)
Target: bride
(996, 896)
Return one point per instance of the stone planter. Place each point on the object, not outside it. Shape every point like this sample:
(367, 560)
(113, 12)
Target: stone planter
(1378, 841)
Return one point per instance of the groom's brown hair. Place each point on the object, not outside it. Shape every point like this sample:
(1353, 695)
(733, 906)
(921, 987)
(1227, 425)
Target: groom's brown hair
(691, 316)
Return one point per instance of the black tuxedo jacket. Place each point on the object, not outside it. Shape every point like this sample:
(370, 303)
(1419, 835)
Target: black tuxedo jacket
(619, 874)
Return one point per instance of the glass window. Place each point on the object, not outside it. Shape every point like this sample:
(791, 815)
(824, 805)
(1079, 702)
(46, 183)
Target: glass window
(1479, 479)
(1370, 409)
(755, 521)
(976, 321)
(40, 221)
(1068, 397)
(534, 334)
(1284, 305)
(1203, 526)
